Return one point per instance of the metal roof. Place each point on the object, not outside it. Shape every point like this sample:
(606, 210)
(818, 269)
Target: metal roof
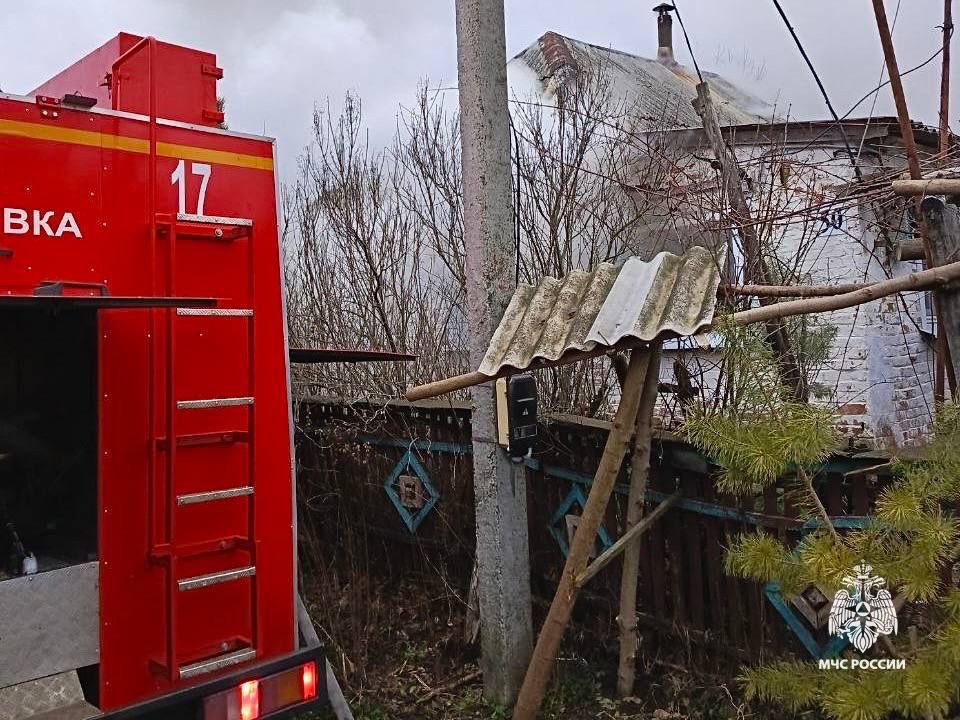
(671, 294)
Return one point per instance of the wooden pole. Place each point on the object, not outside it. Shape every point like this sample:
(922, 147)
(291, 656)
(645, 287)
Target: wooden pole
(612, 552)
(912, 250)
(790, 290)
(910, 147)
(923, 280)
(548, 643)
(939, 372)
(945, 80)
(943, 231)
(755, 267)
(940, 369)
(896, 85)
(927, 186)
(731, 180)
(462, 382)
(639, 474)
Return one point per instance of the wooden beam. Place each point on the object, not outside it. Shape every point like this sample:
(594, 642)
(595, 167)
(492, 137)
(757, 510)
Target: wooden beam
(548, 643)
(931, 186)
(791, 290)
(461, 382)
(943, 233)
(912, 250)
(924, 280)
(639, 478)
(635, 531)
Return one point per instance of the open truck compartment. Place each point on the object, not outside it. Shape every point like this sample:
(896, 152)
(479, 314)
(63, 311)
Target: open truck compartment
(48, 436)
(48, 492)
(147, 535)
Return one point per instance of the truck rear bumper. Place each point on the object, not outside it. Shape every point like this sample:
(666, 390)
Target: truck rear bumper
(188, 703)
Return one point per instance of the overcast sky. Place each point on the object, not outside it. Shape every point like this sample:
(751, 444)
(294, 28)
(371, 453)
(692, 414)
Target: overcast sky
(279, 56)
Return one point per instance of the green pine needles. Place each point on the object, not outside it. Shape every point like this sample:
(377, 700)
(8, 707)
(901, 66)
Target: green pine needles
(757, 437)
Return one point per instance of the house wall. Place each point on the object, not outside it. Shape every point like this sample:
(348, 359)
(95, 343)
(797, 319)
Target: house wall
(878, 376)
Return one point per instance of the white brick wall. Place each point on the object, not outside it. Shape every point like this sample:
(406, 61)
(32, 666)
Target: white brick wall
(879, 374)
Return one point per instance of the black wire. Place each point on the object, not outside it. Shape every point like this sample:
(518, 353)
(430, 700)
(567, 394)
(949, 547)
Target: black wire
(839, 123)
(686, 39)
(882, 85)
(823, 90)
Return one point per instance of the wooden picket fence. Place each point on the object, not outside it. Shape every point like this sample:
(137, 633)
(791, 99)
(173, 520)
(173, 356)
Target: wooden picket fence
(348, 453)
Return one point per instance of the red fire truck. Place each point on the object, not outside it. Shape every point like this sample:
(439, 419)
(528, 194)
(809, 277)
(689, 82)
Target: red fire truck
(147, 517)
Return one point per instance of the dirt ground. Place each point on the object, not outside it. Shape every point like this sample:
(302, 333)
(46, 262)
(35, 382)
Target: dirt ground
(402, 656)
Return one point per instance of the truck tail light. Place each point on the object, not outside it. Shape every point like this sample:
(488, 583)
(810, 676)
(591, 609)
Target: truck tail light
(250, 700)
(309, 676)
(259, 698)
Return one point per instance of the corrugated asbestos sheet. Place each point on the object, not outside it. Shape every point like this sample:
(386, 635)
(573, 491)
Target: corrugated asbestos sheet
(671, 294)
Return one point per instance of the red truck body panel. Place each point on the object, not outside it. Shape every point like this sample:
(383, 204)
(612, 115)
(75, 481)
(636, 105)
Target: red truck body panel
(186, 83)
(75, 207)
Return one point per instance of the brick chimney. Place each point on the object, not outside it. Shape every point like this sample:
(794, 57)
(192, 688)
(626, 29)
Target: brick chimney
(665, 34)
(563, 66)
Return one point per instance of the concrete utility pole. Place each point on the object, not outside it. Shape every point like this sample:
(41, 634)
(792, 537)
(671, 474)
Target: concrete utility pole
(503, 558)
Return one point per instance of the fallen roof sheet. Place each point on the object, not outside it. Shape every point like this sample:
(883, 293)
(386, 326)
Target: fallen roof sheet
(671, 294)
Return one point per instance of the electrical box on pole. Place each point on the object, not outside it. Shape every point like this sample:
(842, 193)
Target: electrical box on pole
(522, 402)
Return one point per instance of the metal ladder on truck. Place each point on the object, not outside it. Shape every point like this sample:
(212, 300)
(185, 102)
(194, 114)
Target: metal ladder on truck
(172, 552)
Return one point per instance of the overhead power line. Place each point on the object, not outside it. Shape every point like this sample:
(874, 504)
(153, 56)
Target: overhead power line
(823, 90)
(686, 39)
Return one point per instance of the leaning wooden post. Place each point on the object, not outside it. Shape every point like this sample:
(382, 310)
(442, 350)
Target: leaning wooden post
(548, 644)
(945, 81)
(923, 280)
(913, 159)
(791, 375)
(943, 234)
(639, 472)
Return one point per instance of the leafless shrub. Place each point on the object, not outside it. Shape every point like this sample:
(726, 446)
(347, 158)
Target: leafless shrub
(376, 250)
(358, 272)
(375, 243)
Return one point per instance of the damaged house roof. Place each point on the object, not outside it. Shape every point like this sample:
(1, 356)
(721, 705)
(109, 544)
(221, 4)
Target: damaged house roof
(661, 90)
